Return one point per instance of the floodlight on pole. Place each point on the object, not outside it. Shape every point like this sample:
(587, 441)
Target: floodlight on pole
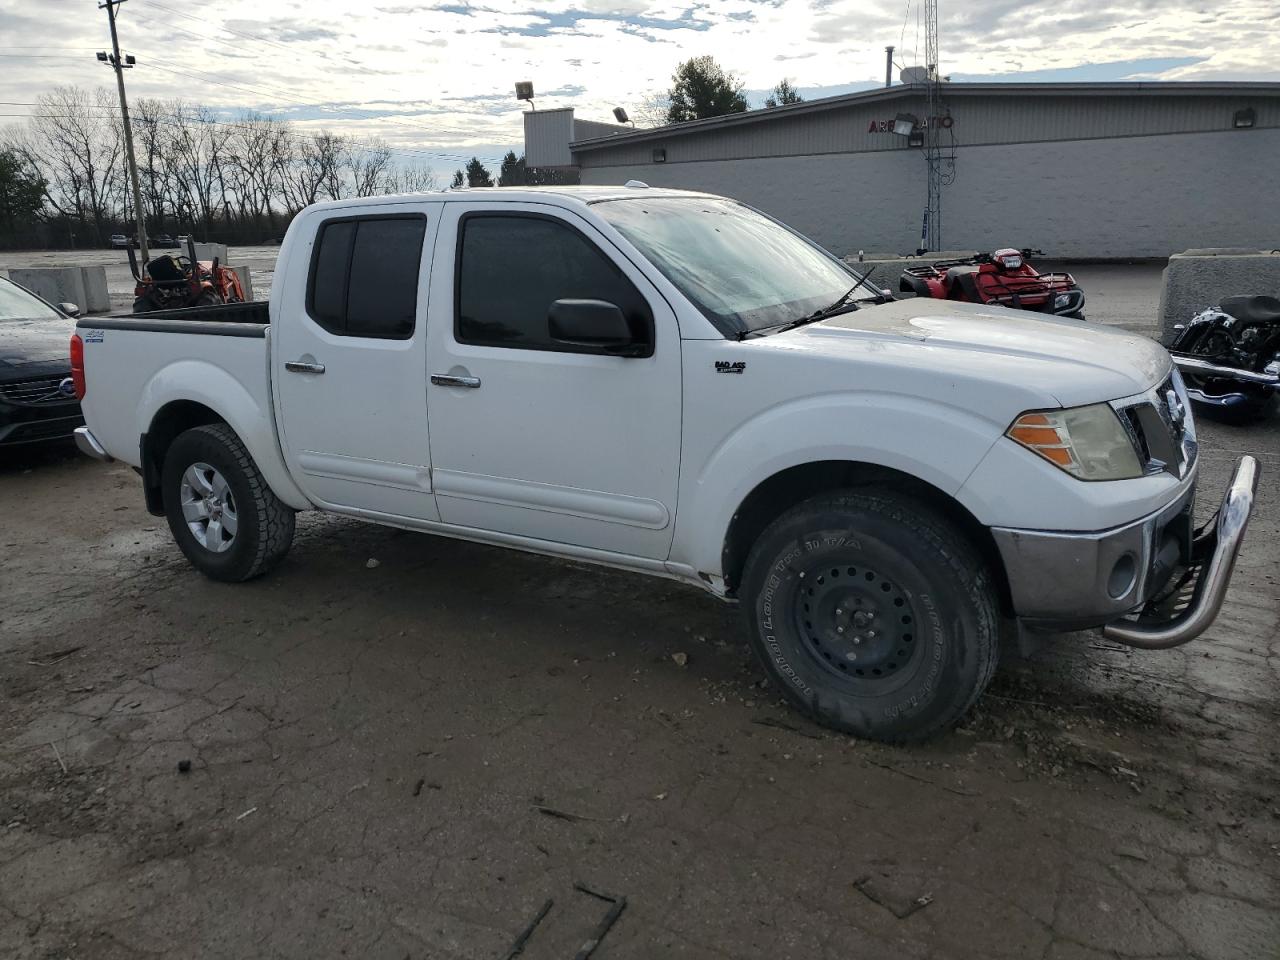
(620, 114)
(524, 91)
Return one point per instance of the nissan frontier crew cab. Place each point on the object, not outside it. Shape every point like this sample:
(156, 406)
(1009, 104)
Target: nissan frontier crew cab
(675, 384)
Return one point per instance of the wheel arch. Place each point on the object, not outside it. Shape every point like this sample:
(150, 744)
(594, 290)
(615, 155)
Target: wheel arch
(786, 488)
(192, 394)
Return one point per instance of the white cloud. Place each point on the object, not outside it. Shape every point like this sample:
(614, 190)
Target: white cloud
(445, 68)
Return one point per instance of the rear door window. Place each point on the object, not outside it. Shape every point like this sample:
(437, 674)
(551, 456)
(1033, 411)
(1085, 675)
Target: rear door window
(364, 276)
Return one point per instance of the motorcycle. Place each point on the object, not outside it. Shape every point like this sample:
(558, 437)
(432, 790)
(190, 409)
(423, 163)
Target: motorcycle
(1003, 277)
(1229, 355)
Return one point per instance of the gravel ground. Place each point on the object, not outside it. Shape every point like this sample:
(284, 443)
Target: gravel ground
(409, 759)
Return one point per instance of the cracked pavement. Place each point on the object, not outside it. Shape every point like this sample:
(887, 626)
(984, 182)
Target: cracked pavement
(371, 751)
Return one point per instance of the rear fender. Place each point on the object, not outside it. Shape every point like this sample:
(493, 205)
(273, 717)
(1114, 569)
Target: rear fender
(198, 381)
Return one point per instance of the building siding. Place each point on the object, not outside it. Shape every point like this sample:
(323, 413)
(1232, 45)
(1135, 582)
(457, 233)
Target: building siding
(977, 120)
(546, 137)
(1118, 195)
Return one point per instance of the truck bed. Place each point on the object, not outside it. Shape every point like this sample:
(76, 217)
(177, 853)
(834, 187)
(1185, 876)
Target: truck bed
(219, 353)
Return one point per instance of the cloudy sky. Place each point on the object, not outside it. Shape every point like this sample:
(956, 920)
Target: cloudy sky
(436, 78)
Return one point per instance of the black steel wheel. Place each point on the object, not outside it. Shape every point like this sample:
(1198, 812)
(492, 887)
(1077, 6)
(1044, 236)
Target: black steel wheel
(872, 613)
(858, 623)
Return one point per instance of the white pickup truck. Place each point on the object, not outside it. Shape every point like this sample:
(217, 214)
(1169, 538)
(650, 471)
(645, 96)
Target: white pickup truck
(675, 384)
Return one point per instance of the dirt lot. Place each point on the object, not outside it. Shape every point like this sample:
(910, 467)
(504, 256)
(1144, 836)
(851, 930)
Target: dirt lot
(408, 759)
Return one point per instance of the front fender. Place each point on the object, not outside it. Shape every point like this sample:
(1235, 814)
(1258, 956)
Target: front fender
(202, 382)
(934, 442)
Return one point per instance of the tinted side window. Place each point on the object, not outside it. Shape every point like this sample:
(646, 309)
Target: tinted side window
(512, 268)
(364, 276)
(328, 300)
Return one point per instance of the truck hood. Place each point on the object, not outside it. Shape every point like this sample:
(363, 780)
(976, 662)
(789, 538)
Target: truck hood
(33, 348)
(1071, 362)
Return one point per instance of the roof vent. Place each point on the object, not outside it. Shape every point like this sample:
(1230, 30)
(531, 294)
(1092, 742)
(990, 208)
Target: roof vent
(636, 184)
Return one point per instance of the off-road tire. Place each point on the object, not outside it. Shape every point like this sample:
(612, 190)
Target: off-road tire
(916, 583)
(265, 524)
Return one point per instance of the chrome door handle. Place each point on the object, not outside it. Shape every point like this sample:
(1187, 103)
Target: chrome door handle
(302, 366)
(445, 380)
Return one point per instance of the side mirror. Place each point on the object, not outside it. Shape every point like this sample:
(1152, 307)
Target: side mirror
(594, 324)
(70, 309)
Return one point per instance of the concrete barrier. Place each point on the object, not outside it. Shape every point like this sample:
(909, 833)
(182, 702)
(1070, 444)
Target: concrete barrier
(55, 284)
(245, 281)
(886, 268)
(207, 251)
(96, 297)
(1198, 279)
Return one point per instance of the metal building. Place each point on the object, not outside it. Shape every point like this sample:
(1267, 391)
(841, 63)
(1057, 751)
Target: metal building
(1077, 169)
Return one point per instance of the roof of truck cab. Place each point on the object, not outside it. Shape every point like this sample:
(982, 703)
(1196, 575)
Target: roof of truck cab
(580, 194)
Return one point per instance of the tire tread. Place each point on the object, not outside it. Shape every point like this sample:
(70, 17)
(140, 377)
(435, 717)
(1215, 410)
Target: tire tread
(934, 532)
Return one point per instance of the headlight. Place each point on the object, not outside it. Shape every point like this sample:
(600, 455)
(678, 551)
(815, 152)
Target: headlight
(1060, 301)
(1088, 442)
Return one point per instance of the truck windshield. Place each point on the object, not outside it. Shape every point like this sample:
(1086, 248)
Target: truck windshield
(17, 304)
(741, 269)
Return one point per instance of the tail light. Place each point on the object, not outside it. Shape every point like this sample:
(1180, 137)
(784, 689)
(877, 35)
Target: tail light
(1011, 261)
(77, 365)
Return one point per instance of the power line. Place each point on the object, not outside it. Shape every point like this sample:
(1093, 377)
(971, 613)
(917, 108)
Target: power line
(268, 94)
(220, 26)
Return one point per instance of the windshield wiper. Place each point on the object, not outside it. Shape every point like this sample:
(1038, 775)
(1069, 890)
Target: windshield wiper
(841, 304)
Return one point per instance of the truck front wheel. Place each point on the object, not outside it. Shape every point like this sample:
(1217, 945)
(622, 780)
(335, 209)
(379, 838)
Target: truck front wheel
(873, 614)
(224, 517)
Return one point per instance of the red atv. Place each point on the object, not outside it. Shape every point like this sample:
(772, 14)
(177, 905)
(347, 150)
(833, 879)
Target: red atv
(1003, 277)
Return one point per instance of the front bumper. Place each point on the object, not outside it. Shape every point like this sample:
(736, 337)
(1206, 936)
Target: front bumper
(1121, 578)
(30, 423)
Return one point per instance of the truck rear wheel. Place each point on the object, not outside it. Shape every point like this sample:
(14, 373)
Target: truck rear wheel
(873, 614)
(224, 517)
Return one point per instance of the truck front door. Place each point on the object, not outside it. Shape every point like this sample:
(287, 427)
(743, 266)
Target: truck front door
(348, 360)
(532, 436)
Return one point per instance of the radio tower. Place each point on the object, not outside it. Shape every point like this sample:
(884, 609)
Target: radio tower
(931, 229)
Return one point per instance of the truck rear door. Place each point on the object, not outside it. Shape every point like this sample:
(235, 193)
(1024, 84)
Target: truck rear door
(531, 436)
(348, 352)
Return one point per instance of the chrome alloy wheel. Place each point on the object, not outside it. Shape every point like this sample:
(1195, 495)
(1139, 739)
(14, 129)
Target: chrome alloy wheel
(209, 507)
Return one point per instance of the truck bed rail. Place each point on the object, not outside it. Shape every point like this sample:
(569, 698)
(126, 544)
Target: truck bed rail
(255, 311)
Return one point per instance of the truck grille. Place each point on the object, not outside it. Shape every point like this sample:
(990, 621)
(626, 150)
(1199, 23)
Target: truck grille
(31, 393)
(1161, 428)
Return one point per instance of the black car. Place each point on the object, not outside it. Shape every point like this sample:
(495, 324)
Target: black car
(37, 396)
(164, 241)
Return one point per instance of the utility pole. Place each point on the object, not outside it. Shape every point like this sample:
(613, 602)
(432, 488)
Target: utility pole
(120, 64)
(888, 66)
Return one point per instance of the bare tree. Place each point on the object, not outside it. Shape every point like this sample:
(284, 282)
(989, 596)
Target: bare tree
(78, 138)
(652, 110)
(234, 177)
(418, 179)
(368, 167)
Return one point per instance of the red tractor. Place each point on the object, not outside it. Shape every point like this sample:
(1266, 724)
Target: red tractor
(1004, 278)
(173, 281)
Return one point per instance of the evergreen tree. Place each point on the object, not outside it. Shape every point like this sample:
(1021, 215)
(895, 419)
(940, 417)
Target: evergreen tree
(701, 88)
(21, 192)
(513, 172)
(477, 175)
(783, 94)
